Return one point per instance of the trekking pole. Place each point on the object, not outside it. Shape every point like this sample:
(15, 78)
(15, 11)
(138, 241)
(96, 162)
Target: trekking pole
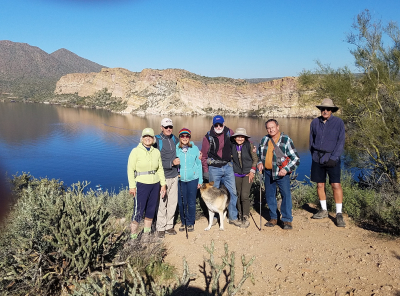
(260, 180)
(183, 207)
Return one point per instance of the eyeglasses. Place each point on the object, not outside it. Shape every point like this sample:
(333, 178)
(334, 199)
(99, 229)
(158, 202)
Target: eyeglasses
(325, 108)
(168, 127)
(218, 125)
(184, 136)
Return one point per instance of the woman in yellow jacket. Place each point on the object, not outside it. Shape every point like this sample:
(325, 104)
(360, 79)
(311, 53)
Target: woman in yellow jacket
(145, 176)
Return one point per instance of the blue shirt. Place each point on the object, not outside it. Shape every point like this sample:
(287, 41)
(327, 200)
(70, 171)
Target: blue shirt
(326, 139)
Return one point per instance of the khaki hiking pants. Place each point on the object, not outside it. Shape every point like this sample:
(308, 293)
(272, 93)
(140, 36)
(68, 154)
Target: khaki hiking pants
(167, 206)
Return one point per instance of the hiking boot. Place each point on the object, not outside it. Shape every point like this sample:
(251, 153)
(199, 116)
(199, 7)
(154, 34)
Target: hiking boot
(287, 225)
(340, 220)
(321, 214)
(190, 228)
(160, 234)
(170, 231)
(271, 223)
(246, 222)
(235, 222)
(182, 228)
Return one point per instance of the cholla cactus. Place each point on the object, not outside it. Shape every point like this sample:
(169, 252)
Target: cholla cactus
(217, 269)
(81, 230)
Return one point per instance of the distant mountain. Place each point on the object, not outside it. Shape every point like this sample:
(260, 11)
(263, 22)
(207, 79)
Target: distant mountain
(75, 63)
(27, 70)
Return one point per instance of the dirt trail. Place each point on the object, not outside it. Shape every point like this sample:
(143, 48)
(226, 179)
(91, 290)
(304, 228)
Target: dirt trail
(315, 258)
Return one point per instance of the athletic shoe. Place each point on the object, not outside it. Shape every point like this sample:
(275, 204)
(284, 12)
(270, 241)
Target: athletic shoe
(190, 228)
(246, 222)
(170, 231)
(287, 225)
(321, 214)
(340, 220)
(271, 223)
(182, 228)
(235, 222)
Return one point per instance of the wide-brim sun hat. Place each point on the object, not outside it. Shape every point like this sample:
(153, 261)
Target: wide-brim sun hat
(240, 132)
(328, 103)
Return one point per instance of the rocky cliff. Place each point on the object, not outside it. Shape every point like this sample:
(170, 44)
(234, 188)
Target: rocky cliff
(175, 91)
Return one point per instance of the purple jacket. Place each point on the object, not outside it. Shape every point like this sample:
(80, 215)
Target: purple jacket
(326, 139)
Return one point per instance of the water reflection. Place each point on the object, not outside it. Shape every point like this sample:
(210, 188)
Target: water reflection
(22, 123)
(84, 144)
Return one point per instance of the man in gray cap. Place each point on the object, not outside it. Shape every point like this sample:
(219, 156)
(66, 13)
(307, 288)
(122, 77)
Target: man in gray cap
(166, 143)
(327, 135)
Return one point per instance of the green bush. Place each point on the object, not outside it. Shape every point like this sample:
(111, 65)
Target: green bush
(53, 234)
(379, 207)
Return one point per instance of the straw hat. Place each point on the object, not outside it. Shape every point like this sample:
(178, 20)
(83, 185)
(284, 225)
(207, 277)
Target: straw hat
(328, 103)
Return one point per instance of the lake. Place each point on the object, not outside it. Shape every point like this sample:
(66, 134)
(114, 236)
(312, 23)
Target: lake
(93, 145)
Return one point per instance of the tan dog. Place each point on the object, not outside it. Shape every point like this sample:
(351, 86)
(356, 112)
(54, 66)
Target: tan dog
(217, 201)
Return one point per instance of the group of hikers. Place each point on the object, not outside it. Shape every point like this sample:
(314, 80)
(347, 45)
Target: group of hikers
(165, 171)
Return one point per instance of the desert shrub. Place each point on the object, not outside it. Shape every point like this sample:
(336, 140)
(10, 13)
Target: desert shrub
(53, 234)
(120, 205)
(304, 193)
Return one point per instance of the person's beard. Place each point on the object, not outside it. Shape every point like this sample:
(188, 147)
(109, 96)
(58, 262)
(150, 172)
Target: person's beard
(218, 130)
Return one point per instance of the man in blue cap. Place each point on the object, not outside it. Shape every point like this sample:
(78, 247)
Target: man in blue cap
(217, 162)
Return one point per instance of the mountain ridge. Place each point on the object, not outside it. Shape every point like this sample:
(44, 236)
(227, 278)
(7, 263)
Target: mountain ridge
(27, 70)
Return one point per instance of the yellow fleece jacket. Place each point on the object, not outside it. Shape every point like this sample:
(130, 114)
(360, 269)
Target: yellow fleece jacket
(141, 160)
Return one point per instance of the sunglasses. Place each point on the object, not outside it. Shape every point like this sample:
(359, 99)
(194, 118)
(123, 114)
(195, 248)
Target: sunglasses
(147, 136)
(325, 108)
(184, 136)
(218, 125)
(168, 127)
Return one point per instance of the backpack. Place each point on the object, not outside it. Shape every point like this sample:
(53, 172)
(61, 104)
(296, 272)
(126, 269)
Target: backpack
(211, 139)
(159, 141)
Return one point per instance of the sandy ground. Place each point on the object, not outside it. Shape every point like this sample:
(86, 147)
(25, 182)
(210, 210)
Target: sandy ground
(315, 258)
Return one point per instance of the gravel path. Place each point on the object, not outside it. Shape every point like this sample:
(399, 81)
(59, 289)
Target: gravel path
(315, 258)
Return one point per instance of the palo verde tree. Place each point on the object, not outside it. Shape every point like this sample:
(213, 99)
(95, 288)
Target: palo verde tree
(370, 100)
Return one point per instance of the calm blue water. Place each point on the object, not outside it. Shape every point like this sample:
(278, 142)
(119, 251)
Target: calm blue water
(93, 145)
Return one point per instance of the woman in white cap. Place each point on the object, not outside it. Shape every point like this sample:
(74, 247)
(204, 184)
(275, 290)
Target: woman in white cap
(145, 176)
(244, 157)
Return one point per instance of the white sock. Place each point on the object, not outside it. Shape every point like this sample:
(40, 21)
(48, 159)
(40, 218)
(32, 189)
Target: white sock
(338, 208)
(323, 205)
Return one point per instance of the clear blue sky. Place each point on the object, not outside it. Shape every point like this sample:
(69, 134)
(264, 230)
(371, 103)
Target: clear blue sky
(232, 38)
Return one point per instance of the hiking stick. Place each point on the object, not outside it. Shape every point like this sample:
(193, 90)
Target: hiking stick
(260, 179)
(183, 207)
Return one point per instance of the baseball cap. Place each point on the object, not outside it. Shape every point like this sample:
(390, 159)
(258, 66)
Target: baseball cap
(218, 119)
(166, 122)
(148, 131)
